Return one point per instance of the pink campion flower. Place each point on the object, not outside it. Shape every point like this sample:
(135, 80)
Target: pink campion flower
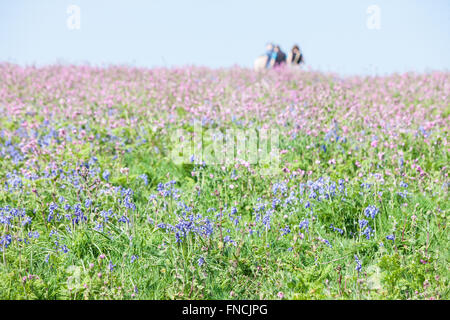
(280, 295)
(62, 132)
(332, 161)
(345, 129)
(374, 143)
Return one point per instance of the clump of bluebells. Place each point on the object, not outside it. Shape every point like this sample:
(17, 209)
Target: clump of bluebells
(332, 227)
(196, 225)
(371, 211)
(304, 224)
(365, 228)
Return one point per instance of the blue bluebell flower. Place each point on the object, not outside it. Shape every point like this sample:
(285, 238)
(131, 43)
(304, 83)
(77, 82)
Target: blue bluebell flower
(390, 237)
(363, 223)
(124, 219)
(5, 241)
(111, 266)
(285, 230)
(144, 178)
(358, 264)
(106, 174)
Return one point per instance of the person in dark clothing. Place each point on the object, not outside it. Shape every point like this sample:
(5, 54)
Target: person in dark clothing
(278, 57)
(295, 56)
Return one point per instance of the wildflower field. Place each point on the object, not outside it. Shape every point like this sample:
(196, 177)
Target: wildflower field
(93, 204)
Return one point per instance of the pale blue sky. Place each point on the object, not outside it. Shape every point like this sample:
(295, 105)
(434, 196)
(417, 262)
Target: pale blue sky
(414, 34)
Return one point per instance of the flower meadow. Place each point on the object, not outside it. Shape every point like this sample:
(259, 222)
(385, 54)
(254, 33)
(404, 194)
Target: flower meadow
(92, 205)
